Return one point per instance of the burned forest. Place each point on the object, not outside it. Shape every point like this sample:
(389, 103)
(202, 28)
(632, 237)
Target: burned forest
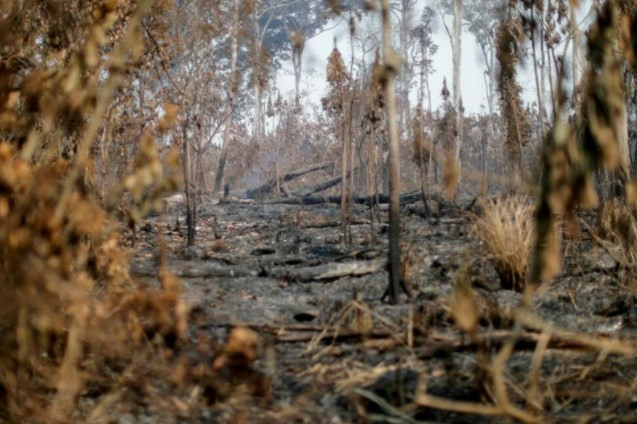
(318, 211)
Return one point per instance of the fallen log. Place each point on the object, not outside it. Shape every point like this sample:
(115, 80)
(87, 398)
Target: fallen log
(335, 224)
(567, 340)
(325, 185)
(331, 271)
(269, 186)
(206, 270)
(406, 198)
(216, 271)
(438, 343)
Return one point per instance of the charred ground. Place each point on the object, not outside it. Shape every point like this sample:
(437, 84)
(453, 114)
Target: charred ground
(331, 351)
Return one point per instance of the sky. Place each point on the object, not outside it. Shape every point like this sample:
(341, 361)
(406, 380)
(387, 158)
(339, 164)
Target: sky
(473, 88)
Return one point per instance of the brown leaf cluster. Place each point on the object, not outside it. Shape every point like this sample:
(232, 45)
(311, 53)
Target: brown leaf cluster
(374, 98)
(337, 78)
(421, 144)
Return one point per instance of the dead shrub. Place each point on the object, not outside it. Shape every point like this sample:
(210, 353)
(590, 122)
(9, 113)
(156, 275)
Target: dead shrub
(617, 234)
(506, 228)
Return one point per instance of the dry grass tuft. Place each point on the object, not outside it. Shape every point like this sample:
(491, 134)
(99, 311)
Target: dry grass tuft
(506, 228)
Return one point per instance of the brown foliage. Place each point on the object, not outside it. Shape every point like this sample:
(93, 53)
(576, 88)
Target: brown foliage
(421, 144)
(73, 320)
(337, 78)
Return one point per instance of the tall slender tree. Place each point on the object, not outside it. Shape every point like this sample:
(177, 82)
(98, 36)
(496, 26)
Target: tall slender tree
(406, 11)
(423, 59)
(424, 52)
(391, 62)
(455, 40)
(482, 18)
(232, 93)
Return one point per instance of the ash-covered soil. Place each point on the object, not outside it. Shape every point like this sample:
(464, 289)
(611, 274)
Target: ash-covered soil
(332, 352)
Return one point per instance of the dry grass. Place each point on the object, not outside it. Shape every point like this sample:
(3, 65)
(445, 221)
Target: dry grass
(506, 229)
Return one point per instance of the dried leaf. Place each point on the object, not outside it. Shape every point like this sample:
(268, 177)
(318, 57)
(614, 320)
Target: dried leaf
(463, 306)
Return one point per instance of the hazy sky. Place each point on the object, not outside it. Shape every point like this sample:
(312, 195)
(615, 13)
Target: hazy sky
(473, 89)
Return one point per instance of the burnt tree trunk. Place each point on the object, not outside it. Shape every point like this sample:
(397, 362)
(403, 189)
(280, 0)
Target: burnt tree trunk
(190, 196)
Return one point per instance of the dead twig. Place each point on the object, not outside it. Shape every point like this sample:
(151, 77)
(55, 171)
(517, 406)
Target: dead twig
(386, 407)
(429, 401)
